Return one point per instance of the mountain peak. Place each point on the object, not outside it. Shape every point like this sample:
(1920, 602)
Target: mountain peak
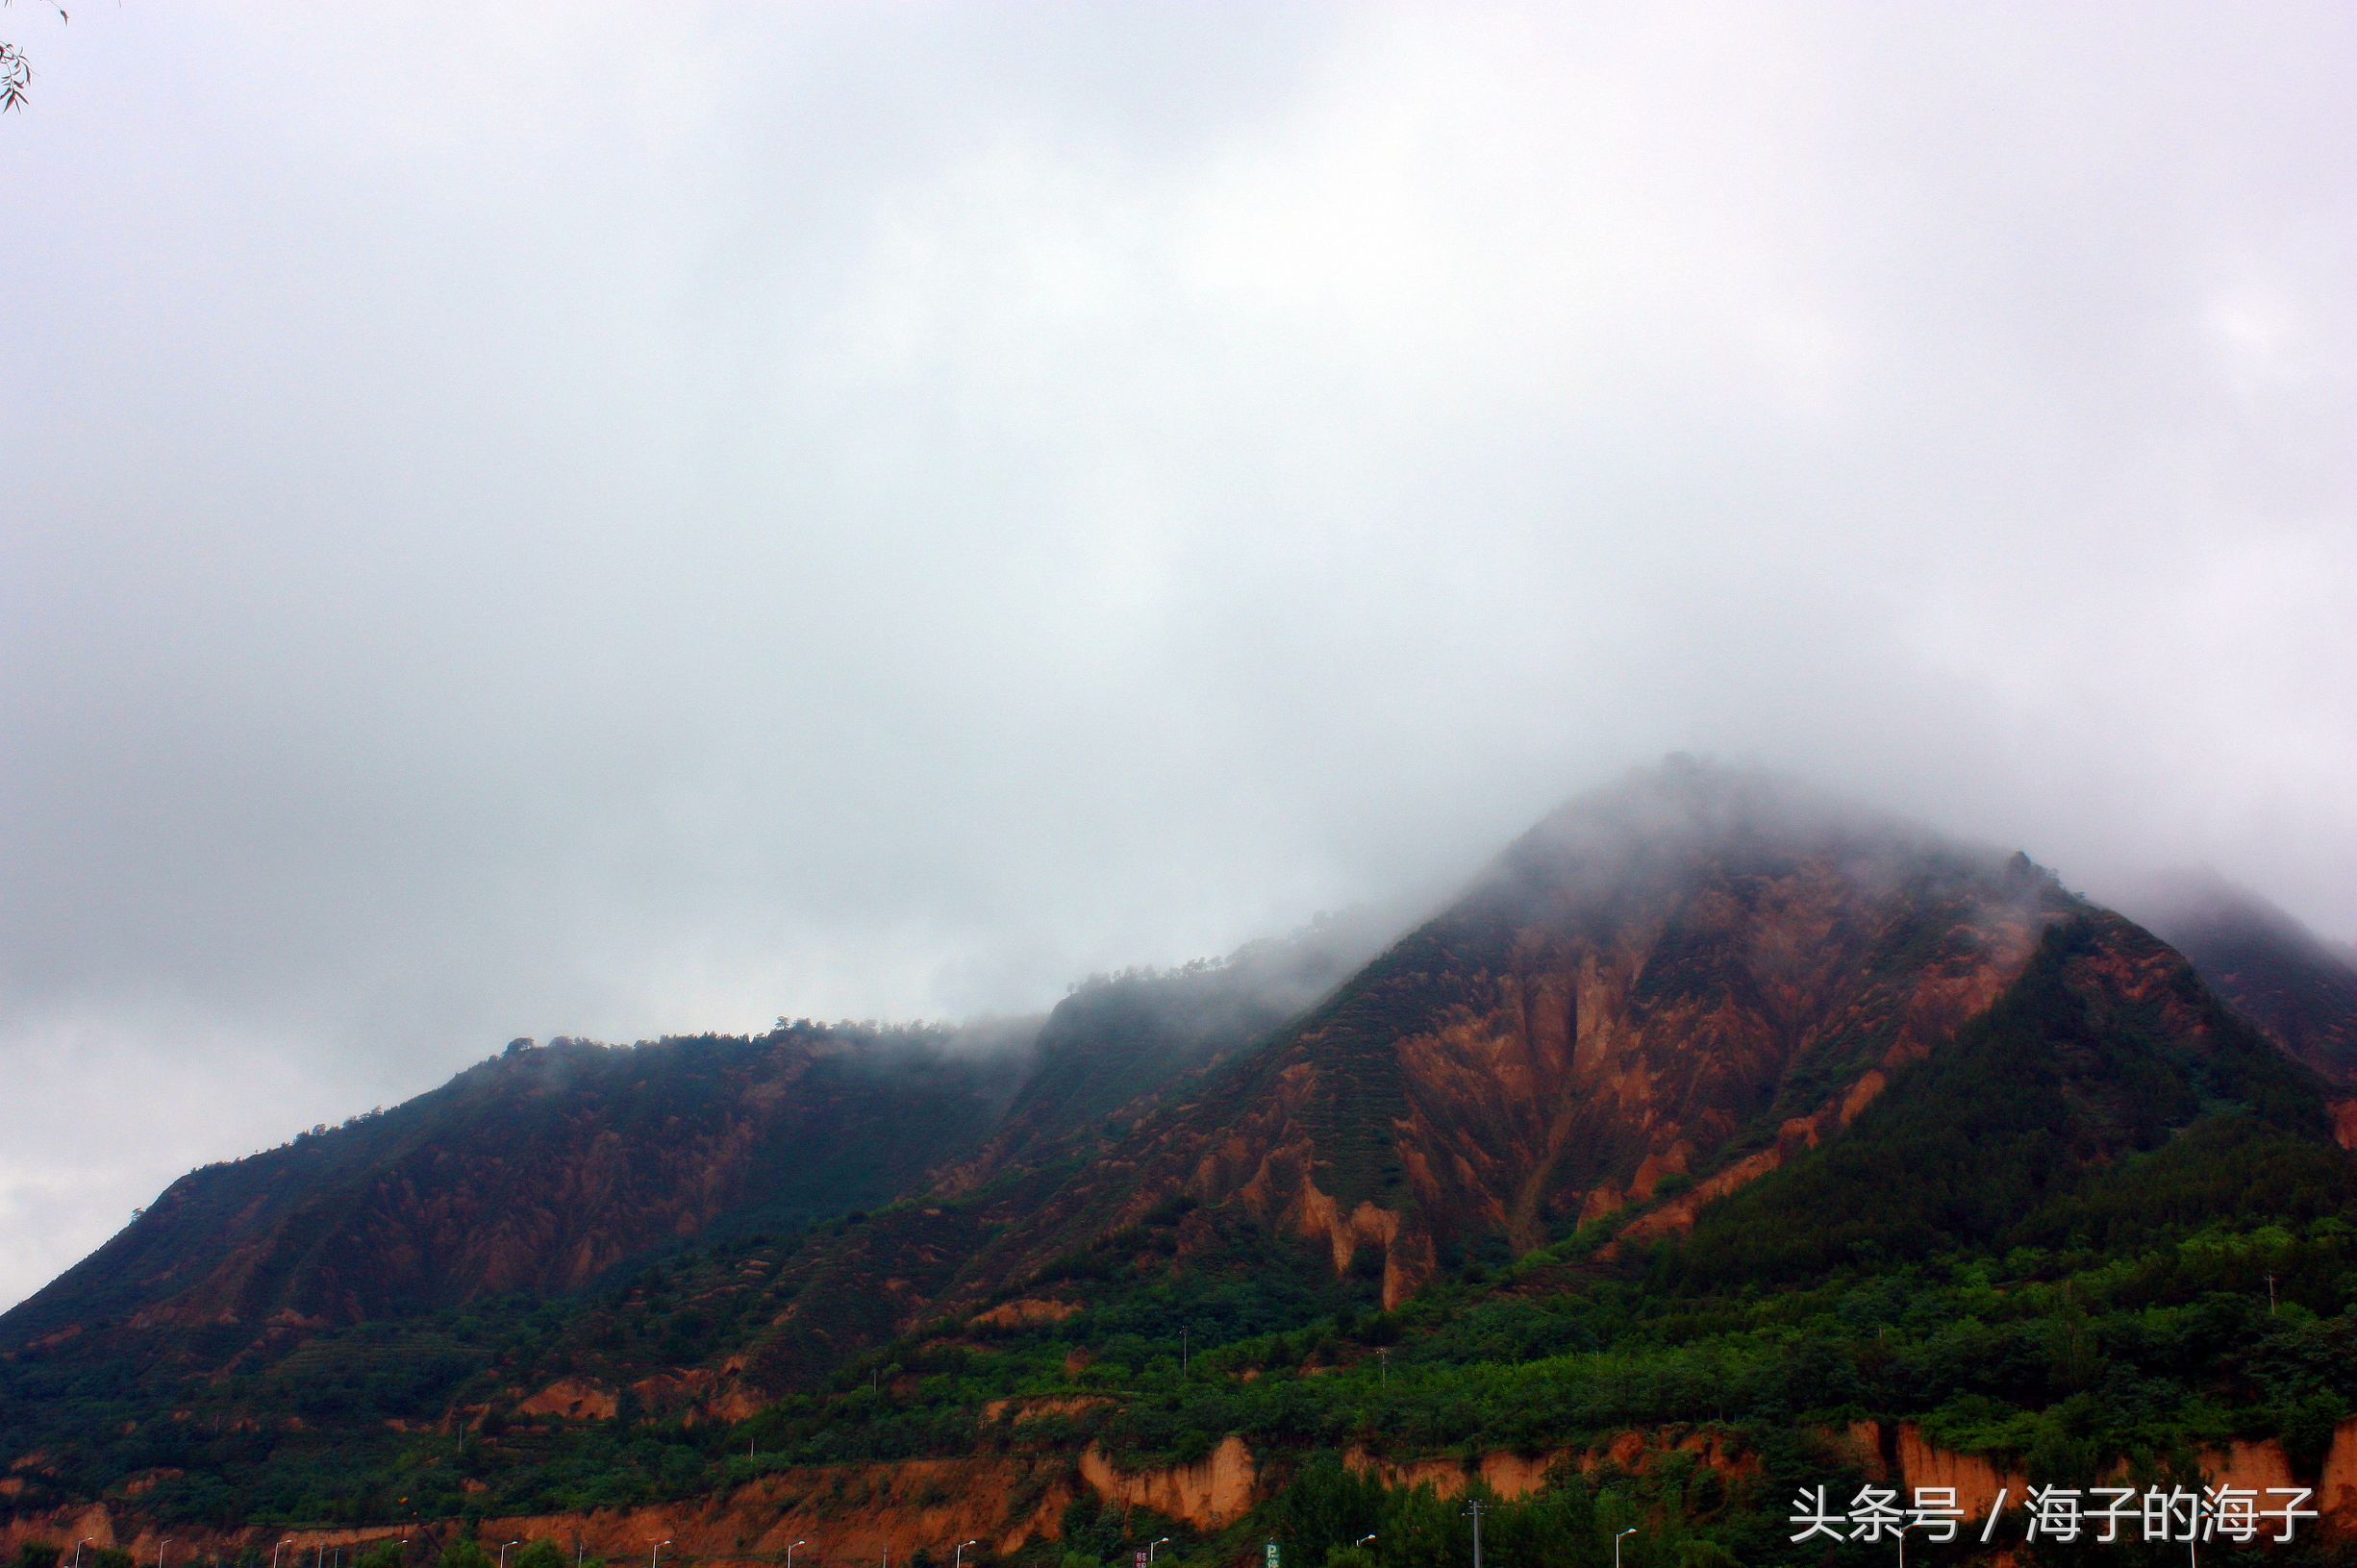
(1660, 992)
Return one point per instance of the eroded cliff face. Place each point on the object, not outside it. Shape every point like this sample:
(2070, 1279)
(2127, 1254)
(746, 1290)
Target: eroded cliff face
(1657, 996)
(1209, 1494)
(1580, 1078)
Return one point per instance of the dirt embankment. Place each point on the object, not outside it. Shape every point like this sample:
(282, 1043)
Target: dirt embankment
(2257, 1466)
(846, 1513)
(1209, 1494)
(854, 1513)
(1511, 1474)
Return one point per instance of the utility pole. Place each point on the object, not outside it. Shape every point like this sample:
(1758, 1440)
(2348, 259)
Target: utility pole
(1473, 1510)
(1383, 1355)
(2270, 1295)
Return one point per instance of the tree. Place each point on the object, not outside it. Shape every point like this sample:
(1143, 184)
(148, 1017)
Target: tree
(15, 71)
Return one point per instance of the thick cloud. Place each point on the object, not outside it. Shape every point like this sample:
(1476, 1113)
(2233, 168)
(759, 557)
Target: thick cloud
(599, 519)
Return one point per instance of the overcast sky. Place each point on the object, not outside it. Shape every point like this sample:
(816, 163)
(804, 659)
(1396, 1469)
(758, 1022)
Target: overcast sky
(602, 519)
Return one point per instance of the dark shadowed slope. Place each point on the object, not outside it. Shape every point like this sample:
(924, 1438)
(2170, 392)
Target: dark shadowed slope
(2107, 1046)
(1117, 1039)
(2296, 987)
(538, 1171)
(546, 1168)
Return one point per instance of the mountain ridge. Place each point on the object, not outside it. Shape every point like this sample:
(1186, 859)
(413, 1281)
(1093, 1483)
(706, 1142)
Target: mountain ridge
(2296, 987)
(548, 1166)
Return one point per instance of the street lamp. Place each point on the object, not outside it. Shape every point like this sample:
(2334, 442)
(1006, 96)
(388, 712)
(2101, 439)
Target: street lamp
(78, 1546)
(160, 1546)
(655, 1556)
(274, 1552)
(1631, 1531)
(789, 1553)
(958, 1559)
(503, 1554)
(1151, 1547)
(1363, 1540)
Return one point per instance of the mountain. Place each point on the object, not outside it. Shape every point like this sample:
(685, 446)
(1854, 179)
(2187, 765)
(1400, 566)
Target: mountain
(539, 1171)
(2298, 989)
(1720, 1139)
